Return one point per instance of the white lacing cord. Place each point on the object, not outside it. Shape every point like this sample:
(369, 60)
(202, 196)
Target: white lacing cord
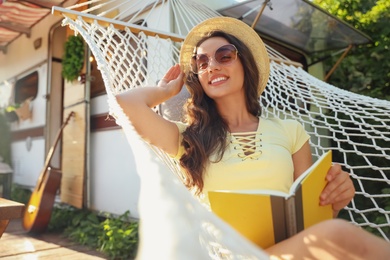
(247, 145)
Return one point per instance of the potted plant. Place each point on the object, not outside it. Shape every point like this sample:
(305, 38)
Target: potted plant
(10, 113)
(73, 59)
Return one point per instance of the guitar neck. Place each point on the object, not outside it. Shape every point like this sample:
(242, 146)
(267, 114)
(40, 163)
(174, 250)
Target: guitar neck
(57, 139)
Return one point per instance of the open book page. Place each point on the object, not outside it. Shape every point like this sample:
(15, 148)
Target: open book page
(251, 215)
(319, 168)
(266, 217)
(309, 190)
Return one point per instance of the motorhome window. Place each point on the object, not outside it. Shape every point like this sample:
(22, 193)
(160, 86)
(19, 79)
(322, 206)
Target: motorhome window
(26, 87)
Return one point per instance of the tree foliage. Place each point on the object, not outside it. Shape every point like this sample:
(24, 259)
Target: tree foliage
(366, 69)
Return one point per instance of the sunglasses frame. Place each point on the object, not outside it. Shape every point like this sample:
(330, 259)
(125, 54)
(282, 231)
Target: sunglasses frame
(194, 59)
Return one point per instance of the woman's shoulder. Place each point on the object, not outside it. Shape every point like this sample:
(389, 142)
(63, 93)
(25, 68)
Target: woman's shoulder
(290, 129)
(278, 122)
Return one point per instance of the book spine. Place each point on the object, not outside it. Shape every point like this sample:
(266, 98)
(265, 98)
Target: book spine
(279, 218)
(291, 216)
(299, 218)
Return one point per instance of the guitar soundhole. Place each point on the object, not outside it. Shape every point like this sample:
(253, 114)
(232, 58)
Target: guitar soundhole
(31, 209)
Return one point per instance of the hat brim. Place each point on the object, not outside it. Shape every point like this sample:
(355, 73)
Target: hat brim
(236, 28)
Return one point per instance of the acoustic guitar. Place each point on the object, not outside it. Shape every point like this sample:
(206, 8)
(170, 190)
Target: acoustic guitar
(37, 212)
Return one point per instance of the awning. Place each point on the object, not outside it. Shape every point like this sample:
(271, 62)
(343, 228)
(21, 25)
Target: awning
(297, 23)
(18, 17)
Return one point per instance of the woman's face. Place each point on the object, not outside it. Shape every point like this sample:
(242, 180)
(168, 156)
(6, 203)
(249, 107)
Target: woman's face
(219, 80)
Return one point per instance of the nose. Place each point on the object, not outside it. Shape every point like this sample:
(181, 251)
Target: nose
(213, 64)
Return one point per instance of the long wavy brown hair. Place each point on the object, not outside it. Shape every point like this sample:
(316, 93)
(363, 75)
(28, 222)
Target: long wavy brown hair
(206, 134)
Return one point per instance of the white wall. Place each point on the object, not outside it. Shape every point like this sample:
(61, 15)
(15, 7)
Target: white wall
(114, 180)
(113, 177)
(27, 162)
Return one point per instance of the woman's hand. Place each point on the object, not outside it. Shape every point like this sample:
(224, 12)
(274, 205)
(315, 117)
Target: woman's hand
(172, 80)
(339, 191)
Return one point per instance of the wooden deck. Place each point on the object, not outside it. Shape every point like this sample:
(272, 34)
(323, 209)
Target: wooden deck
(16, 244)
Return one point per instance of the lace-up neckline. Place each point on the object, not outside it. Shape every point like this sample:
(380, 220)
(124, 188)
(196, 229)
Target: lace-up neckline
(247, 144)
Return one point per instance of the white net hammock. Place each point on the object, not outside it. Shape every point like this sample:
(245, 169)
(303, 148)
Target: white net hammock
(135, 42)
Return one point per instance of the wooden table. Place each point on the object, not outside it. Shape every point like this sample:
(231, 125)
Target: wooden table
(9, 210)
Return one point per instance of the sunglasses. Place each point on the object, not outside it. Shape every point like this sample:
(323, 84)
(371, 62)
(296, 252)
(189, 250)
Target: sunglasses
(224, 55)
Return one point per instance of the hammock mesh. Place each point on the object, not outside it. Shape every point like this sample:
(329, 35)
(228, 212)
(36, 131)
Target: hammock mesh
(134, 45)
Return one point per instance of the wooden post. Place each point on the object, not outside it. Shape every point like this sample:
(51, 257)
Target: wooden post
(337, 63)
(259, 13)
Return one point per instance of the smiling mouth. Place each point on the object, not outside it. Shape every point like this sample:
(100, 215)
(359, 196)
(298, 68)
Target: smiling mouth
(219, 79)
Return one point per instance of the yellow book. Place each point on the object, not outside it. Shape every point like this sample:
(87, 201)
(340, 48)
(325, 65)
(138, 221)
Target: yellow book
(267, 217)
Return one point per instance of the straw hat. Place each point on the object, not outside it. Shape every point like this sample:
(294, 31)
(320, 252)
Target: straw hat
(236, 28)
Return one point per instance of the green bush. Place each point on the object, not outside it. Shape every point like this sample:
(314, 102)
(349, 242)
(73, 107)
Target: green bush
(20, 194)
(120, 237)
(5, 139)
(116, 237)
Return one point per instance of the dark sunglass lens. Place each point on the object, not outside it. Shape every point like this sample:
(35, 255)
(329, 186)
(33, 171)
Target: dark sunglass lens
(202, 62)
(226, 54)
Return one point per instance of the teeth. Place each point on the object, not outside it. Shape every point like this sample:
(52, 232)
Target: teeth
(217, 80)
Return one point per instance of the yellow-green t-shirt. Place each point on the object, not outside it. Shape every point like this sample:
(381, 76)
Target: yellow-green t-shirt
(268, 166)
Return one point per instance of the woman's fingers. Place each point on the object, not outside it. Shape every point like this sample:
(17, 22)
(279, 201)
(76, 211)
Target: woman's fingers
(340, 190)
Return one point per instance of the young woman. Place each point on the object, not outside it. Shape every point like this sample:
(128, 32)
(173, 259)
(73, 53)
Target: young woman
(226, 144)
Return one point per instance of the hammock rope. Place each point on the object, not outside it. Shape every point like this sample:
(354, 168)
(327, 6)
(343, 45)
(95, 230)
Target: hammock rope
(134, 45)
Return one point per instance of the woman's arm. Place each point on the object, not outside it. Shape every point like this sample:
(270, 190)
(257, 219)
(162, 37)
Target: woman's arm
(137, 104)
(302, 160)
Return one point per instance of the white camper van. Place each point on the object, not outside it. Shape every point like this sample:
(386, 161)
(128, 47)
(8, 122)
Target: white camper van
(93, 150)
